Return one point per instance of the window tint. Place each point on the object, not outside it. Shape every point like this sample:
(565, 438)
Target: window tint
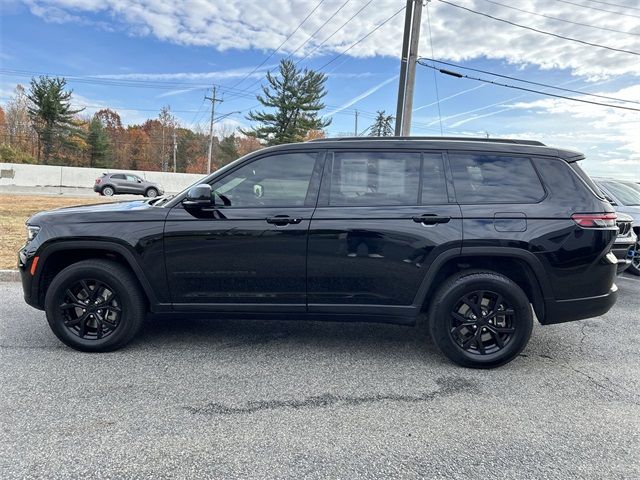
(278, 180)
(375, 178)
(626, 195)
(118, 176)
(434, 187)
(132, 178)
(495, 179)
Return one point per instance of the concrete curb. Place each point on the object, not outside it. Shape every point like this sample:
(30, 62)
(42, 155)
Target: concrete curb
(9, 276)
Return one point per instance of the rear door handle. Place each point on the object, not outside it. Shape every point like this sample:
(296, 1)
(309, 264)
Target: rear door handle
(281, 220)
(430, 219)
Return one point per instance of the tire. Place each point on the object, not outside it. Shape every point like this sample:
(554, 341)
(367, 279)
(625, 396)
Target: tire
(151, 192)
(634, 268)
(108, 191)
(477, 341)
(95, 306)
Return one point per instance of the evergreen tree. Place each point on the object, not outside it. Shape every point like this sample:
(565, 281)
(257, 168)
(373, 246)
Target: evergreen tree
(296, 98)
(50, 111)
(99, 144)
(382, 125)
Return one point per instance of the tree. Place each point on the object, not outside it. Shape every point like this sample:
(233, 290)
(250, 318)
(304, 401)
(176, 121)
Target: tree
(382, 125)
(18, 131)
(245, 145)
(99, 144)
(168, 123)
(112, 124)
(296, 97)
(50, 111)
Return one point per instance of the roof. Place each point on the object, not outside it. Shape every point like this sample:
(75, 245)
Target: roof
(497, 145)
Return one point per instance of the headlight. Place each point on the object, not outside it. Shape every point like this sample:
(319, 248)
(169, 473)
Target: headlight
(32, 231)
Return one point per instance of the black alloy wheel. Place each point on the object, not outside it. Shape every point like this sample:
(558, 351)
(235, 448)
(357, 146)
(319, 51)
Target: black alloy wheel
(95, 305)
(91, 309)
(480, 319)
(482, 322)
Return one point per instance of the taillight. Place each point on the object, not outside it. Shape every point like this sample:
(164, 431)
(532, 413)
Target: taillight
(595, 220)
(97, 181)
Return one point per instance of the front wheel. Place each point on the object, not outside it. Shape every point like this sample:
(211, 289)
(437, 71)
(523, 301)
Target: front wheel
(634, 268)
(480, 319)
(95, 306)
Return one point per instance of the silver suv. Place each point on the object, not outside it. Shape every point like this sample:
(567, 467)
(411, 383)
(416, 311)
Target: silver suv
(115, 183)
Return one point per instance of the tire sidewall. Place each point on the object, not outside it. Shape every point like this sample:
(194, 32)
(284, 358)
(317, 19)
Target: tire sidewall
(106, 190)
(149, 191)
(440, 319)
(55, 295)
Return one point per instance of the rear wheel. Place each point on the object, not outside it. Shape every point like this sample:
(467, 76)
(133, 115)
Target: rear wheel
(480, 319)
(95, 306)
(634, 268)
(151, 192)
(108, 191)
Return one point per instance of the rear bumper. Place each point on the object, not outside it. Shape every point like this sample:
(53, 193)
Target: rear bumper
(561, 311)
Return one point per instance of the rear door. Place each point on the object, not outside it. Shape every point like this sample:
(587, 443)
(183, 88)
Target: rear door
(119, 181)
(382, 218)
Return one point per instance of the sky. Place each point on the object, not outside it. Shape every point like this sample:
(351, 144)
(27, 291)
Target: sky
(136, 56)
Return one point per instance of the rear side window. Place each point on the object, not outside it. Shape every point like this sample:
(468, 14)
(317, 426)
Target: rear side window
(375, 178)
(118, 176)
(480, 178)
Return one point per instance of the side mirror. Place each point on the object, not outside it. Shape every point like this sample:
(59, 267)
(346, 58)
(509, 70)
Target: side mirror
(198, 196)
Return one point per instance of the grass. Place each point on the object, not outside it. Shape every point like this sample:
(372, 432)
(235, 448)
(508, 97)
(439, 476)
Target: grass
(16, 209)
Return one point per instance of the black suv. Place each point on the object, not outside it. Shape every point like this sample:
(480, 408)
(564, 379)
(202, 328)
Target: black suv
(478, 234)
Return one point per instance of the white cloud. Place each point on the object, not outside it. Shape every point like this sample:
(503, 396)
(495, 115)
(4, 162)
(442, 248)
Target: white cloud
(457, 35)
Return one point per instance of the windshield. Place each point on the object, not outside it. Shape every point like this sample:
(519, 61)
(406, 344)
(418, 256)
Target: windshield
(625, 194)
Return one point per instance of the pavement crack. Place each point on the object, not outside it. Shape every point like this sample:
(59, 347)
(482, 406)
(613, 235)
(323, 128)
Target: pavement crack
(591, 379)
(448, 386)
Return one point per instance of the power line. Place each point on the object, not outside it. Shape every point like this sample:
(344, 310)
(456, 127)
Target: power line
(361, 39)
(561, 19)
(531, 82)
(614, 4)
(598, 8)
(279, 46)
(336, 31)
(435, 80)
(597, 45)
(248, 89)
(460, 75)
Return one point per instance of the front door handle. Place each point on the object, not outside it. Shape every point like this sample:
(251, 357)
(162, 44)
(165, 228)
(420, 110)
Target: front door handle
(430, 219)
(281, 220)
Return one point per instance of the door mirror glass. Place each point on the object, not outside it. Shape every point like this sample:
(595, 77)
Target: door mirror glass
(199, 196)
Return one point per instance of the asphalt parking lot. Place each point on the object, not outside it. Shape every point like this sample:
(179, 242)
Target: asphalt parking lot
(233, 399)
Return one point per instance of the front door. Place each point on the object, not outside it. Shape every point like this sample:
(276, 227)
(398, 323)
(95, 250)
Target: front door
(251, 248)
(382, 218)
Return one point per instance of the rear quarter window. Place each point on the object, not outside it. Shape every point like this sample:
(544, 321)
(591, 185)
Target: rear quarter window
(486, 178)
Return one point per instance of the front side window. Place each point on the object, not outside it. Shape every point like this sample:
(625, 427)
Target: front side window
(274, 181)
(480, 178)
(374, 178)
(132, 178)
(625, 194)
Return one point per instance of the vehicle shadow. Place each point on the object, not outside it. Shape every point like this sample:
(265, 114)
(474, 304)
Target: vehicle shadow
(366, 338)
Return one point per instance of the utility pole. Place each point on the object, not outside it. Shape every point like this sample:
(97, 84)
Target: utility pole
(175, 150)
(411, 39)
(213, 100)
(355, 131)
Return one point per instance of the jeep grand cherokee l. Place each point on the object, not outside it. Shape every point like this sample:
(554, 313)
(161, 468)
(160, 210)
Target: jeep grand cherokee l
(478, 234)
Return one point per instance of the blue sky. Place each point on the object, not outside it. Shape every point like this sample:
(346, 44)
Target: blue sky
(143, 54)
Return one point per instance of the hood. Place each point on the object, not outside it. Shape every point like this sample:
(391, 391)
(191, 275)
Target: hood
(137, 210)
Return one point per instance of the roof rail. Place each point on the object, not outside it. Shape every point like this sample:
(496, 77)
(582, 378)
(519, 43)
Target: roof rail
(460, 139)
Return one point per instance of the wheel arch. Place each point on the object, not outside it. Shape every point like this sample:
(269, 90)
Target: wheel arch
(54, 258)
(518, 265)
